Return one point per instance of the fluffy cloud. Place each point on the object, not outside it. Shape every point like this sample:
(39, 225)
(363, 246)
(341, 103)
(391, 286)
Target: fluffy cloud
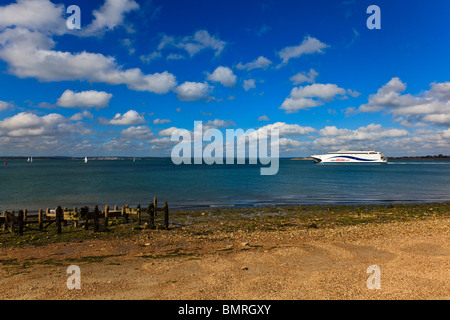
(260, 63)
(49, 18)
(26, 124)
(223, 75)
(29, 54)
(313, 95)
(161, 121)
(289, 129)
(137, 133)
(217, 123)
(92, 98)
(37, 15)
(131, 117)
(5, 105)
(110, 15)
(200, 41)
(249, 84)
(309, 45)
(309, 77)
(167, 132)
(371, 136)
(432, 106)
(191, 91)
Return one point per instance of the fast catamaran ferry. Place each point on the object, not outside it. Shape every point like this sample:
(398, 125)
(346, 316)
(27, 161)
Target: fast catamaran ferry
(350, 157)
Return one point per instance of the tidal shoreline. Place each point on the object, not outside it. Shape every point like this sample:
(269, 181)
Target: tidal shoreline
(297, 252)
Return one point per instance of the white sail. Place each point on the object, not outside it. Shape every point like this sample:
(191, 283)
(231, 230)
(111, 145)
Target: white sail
(85, 159)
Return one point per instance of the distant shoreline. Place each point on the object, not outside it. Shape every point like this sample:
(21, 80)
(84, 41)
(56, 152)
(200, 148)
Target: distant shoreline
(428, 157)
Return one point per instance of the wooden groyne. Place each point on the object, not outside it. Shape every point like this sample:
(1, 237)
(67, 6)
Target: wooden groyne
(90, 218)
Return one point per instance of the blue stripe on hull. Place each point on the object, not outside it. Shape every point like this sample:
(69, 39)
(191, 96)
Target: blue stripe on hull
(354, 158)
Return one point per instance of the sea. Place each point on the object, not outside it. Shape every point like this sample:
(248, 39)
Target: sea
(45, 184)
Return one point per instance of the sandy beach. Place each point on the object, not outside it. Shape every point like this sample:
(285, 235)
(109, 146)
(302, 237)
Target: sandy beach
(243, 254)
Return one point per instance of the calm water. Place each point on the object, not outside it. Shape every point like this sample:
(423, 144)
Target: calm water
(68, 183)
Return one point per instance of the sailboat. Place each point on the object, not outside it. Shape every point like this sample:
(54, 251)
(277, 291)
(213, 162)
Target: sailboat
(31, 159)
(28, 160)
(85, 159)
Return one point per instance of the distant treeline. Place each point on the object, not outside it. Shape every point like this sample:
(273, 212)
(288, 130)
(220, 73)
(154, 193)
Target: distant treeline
(428, 157)
(81, 158)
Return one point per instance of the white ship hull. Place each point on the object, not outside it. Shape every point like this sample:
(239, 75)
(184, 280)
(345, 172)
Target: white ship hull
(350, 157)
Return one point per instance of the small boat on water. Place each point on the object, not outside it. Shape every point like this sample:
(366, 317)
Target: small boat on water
(85, 160)
(369, 156)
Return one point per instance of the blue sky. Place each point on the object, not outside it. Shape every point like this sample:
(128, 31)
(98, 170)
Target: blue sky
(136, 70)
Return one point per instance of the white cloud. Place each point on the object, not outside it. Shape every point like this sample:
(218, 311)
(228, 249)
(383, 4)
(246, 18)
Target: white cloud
(150, 57)
(263, 118)
(110, 15)
(332, 136)
(5, 105)
(289, 129)
(131, 117)
(161, 121)
(81, 115)
(313, 95)
(137, 133)
(260, 63)
(191, 91)
(200, 41)
(37, 15)
(318, 90)
(309, 77)
(49, 18)
(223, 75)
(92, 98)
(432, 106)
(26, 124)
(249, 84)
(309, 45)
(29, 55)
(217, 123)
(446, 134)
(167, 132)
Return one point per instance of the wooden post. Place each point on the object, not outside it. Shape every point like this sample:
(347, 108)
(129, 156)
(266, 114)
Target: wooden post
(11, 221)
(41, 219)
(151, 212)
(106, 216)
(4, 219)
(75, 216)
(96, 218)
(20, 218)
(124, 212)
(25, 214)
(47, 212)
(116, 208)
(64, 221)
(166, 216)
(155, 205)
(5, 224)
(86, 217)
(59, 218)
(138, 209)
